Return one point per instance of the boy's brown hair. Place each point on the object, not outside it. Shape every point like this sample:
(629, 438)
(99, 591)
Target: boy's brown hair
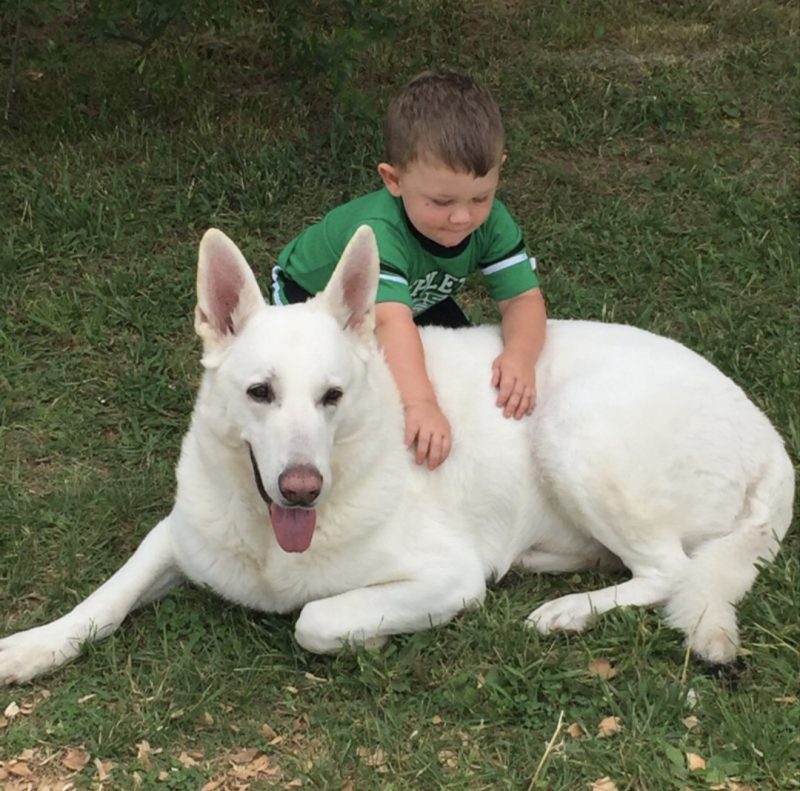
(448, 117)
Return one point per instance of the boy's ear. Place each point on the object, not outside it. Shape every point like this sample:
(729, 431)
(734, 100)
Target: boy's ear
(390, 176)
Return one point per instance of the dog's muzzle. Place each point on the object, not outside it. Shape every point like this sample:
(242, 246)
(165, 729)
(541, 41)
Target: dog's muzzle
(295, 522)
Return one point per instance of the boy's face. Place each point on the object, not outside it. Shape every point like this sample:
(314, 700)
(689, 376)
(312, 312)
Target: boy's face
(442, 204)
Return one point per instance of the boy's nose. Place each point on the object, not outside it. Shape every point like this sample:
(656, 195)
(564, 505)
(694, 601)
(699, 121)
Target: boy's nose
(460, 215)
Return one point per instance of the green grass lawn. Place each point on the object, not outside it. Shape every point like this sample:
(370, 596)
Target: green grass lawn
(653, 164)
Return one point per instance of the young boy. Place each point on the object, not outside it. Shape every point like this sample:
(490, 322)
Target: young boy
(436, 220)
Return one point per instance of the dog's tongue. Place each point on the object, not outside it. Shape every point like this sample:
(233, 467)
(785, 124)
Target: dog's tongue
(294, 527)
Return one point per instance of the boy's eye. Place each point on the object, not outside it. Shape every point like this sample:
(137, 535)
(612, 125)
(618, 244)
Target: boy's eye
(440, 202)
(481, 200)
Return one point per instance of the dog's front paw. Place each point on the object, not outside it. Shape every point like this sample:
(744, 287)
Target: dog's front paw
(321, 630)
(569, 613)
(25, 655)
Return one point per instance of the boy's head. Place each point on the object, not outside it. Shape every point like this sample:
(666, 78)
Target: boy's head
(444, 145)
(446, 118)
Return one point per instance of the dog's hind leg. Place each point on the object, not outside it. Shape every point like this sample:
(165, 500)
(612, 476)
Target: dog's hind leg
(718, 575)
(149, 573)
(721, 570)
(574, 611)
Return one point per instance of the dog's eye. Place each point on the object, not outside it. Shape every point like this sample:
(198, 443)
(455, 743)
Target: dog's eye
(263, 393)
(332, 396)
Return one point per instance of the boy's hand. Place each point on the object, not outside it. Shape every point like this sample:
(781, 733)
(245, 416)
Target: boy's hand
(513, 371)
(429, 429)
(426, 425)
(515, 379)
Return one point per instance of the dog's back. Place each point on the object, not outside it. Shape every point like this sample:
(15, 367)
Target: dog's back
(639, 449)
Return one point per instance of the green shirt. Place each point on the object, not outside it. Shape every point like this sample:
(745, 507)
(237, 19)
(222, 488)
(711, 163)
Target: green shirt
(415, 270)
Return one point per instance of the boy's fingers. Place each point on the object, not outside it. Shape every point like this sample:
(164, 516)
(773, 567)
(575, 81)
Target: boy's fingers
(522, 404)
(505, 390)
(527, 404)
(516, 398)
(446, 447)
(441, 446)
(419, 441)
(514, 391)
(423, 447)
(512, 405)
(524, 407)
(412, 432)
(435, 457)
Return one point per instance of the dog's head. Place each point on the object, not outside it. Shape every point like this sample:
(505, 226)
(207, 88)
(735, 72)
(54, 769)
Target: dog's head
(279, 380)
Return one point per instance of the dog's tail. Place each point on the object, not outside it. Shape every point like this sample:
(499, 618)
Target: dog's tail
(721, 571)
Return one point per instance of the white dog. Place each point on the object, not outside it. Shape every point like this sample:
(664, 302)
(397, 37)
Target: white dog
(295, 489)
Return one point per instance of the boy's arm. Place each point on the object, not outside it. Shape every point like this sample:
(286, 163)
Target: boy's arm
(426, 424)
(523, 326)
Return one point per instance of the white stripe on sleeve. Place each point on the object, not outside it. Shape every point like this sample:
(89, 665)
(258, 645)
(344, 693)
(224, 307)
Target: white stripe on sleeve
(505, 263)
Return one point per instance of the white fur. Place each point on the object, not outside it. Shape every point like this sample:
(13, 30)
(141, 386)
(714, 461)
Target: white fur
(639, 452)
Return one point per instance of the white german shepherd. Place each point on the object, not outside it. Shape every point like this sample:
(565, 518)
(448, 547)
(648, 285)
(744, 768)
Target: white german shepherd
(295, 489)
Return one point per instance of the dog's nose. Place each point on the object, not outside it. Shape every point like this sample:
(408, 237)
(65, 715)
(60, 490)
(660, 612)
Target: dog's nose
(300, 485)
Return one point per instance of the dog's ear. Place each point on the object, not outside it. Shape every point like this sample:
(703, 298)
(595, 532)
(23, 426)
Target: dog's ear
(350, 293)
(227, 294)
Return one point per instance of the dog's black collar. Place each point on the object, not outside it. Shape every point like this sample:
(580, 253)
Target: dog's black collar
(259, 483)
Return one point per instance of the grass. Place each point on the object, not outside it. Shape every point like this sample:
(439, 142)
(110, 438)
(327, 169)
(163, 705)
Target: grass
(653, 165)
